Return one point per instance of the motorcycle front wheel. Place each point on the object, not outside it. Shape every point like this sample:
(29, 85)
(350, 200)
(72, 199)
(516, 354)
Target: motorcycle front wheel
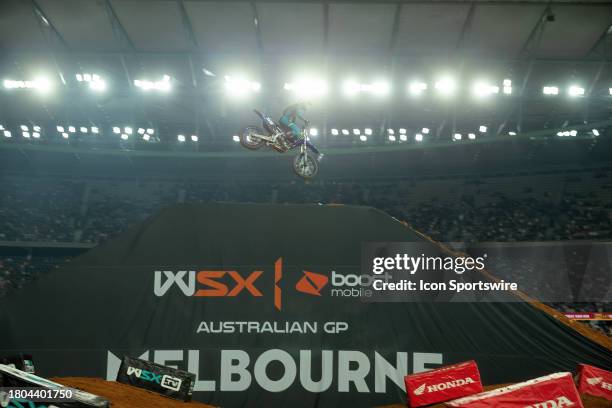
(305, 166)
(248, 140)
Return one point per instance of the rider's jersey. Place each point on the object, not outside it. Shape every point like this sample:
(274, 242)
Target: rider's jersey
(295, 111)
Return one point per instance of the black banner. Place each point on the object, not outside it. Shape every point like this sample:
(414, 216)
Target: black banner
(263, 303)
(163, 380)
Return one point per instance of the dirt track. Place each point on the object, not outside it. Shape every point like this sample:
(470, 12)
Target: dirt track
(125, 396)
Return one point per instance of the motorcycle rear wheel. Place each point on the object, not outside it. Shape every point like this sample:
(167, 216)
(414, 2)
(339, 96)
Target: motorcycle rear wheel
(249, 141)
(305, 166)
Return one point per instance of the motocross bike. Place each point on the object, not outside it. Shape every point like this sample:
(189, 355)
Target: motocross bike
(304, 165)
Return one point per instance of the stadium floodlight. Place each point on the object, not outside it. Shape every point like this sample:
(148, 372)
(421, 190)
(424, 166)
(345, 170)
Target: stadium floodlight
(417, 88)
(150, 131)
(181, 138)
(95, 130)
(380, 88)
(307, 87)
(356, 132)
(351, 87)
(79, 77)
(575, 91)
(560, 134)
(314, 132)
(512, 133)
(418, 137)
(573, 133)
(345, 132)
(446, 86)
(483, 89)
(194, 138)
(363, 138)
(507, 86)
(236, 138)
(403, 138)
(24, 128)
(83, 129)
(71, 129)
(40, 84)
(482, 129)
(457, 136)
(1, 127)
(377, 88)
(391, 138)
(36, 135)
(402, 131)
(391, 131)
(141, 131)
(367, 131)
(124, 136)
(116, 130)
(26, 134)
(98, 86)
(65, 135)
(128, 130)
(146, 137)
(7, 133)
(566, 133)
(471, 136)
(60, 129)
(595, 132)
(36, 128)
(240, 87)
(610, 91)
(425, 131)
(147, 85)
(334, 132)
(550, 90)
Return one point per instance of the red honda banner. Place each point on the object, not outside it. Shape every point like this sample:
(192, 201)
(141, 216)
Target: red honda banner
(443, 384)
(595, 381)
(551, 391)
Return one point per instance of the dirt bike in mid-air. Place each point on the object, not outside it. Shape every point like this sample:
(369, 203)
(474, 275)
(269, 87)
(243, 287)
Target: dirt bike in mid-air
(305, 164)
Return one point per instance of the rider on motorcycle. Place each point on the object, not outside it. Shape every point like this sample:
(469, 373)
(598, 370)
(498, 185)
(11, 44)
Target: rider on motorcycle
(290, 115)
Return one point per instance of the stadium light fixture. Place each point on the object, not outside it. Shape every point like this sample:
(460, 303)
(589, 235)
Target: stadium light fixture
(402, 131)
(1, 127)
(24, 128)
(116, 130)
(236, 138)
(356, 132)
(575, 91)
(65, 135)
(146, 137)
(141, 131)
(380, 88)
(446, 86)
(363, 138)
(307, 87)
(41, 84)
(26, 134)
(314, 132)
(418, 137)
(95, 130)
(194, 138)
(345, 132)
(417, 88)
(425, 131)
(457, 136)
(391, 131)
(36, 135)
(83, 129)
(240, 87)
(60, 129)
(377, 88)
(7, 133)
(550, 90)
(128, 130)
(368, 131)
(391, 138)
(471, 136)
(507, 86)
(36, 128)
(181, 138)
(162, 85)
(403, 138)
(483, 89)
(71, 129)
(334, 132)
(610, 91)
(595, 132)
(512, 133)
(351, 87)
(124, 136)
(573, 133)
(150, 131)
(482, 129)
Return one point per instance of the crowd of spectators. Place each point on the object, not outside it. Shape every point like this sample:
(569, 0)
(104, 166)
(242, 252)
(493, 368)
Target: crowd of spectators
(554, 207)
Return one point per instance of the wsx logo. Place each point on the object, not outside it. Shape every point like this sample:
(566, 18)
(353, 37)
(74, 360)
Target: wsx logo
(216, 283)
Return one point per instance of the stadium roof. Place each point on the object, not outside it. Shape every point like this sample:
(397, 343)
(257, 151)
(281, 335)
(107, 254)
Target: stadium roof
(198, 42)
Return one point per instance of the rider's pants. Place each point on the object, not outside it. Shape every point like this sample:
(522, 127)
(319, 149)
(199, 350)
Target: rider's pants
(295, 129)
